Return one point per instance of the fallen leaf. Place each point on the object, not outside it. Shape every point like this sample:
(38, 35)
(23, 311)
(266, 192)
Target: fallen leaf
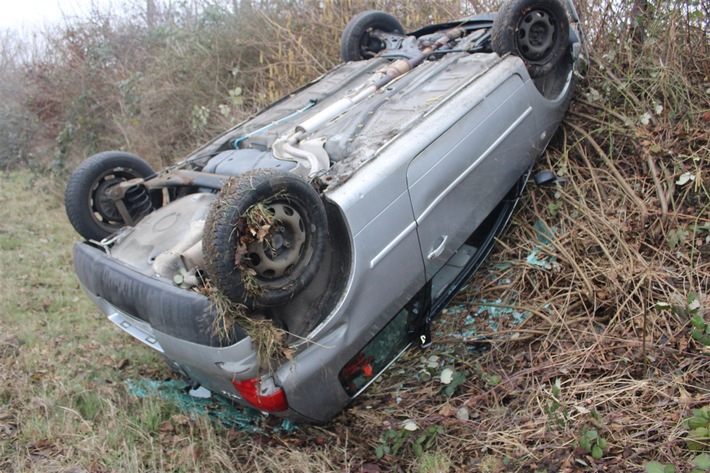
(288, 353)
(410, 425)
(463, 414)
(370, 468)
(685, 178)
(447, 410)
(447, 375)
(262, 232)
(166, 426)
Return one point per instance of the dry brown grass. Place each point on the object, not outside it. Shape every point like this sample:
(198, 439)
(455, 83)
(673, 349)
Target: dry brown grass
(628, 251)
(607, 320)
(600, 323)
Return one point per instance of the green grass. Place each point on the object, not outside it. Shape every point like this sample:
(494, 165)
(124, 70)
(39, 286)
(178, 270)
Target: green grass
(62, 376)
(606, 350)
(64, 369)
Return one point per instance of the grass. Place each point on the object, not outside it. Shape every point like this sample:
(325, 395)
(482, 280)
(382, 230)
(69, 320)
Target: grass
(588, 360)
(63, 399)
(606, 348)
(265, 335)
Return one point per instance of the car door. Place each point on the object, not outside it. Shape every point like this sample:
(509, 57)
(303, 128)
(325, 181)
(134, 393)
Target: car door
(460, 177)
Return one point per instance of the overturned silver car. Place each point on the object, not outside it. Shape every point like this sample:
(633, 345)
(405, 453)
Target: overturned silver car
(345, 215)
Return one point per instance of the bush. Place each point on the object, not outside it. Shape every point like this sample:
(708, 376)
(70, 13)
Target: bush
(161, 78)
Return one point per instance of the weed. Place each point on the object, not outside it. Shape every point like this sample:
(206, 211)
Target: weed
(394, 441)
(391, 442)
(225, 312)
(200, 115)
(592, 443)
(88, 404)
(701, 463)
(154, 411)
(658, 467)
(699, 430)
(433, 463)
(701, 332)
(236, 97)
(555, 411)
(250, 282)
(554, 207)
(690, 309)
(490, 380)
(677, 238)
(452, 379)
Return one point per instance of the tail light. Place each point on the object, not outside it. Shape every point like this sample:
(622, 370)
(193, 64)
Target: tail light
(262, 394)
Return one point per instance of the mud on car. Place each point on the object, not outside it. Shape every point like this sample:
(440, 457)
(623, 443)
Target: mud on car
(346, 215)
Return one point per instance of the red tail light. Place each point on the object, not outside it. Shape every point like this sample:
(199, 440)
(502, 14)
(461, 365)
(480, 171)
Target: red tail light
(264, 398)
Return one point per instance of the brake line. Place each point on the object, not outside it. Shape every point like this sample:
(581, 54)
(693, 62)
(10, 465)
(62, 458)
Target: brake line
(311, 103)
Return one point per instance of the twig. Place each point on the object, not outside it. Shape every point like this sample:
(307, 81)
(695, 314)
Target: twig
(615, 172)
(657, 182)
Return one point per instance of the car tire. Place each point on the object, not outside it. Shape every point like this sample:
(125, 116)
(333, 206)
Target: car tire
(537, 31)
(357, 44)
(265, 269)
(92, 214)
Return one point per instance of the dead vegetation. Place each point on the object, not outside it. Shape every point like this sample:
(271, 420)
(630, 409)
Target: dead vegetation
(610, 269)
(267, 338)
(579, 346)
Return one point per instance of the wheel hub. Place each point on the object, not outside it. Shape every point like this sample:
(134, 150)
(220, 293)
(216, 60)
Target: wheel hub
(536, 35)
(279, 252)
(103, 205)
(371, 44)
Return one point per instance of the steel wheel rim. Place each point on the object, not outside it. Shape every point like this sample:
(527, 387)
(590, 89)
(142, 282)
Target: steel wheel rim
(537, 34)
(281, 251)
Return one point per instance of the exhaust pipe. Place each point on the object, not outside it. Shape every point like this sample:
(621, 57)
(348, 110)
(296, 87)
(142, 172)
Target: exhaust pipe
(314, 159)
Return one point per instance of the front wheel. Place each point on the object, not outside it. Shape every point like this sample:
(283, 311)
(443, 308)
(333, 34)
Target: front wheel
(265, 237)
(92, 213)
(537, 31)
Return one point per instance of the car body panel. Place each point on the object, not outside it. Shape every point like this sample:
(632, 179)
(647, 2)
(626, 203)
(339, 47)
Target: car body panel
(464, 159)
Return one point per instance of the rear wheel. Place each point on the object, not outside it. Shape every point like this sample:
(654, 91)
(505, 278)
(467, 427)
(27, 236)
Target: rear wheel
(265, 237)
(537, 31)
(360, 39)
(92, 213)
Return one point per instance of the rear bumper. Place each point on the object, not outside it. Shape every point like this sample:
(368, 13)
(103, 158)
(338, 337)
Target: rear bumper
(179, 313)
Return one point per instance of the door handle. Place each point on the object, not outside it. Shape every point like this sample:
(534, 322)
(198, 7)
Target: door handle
(439, 249)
